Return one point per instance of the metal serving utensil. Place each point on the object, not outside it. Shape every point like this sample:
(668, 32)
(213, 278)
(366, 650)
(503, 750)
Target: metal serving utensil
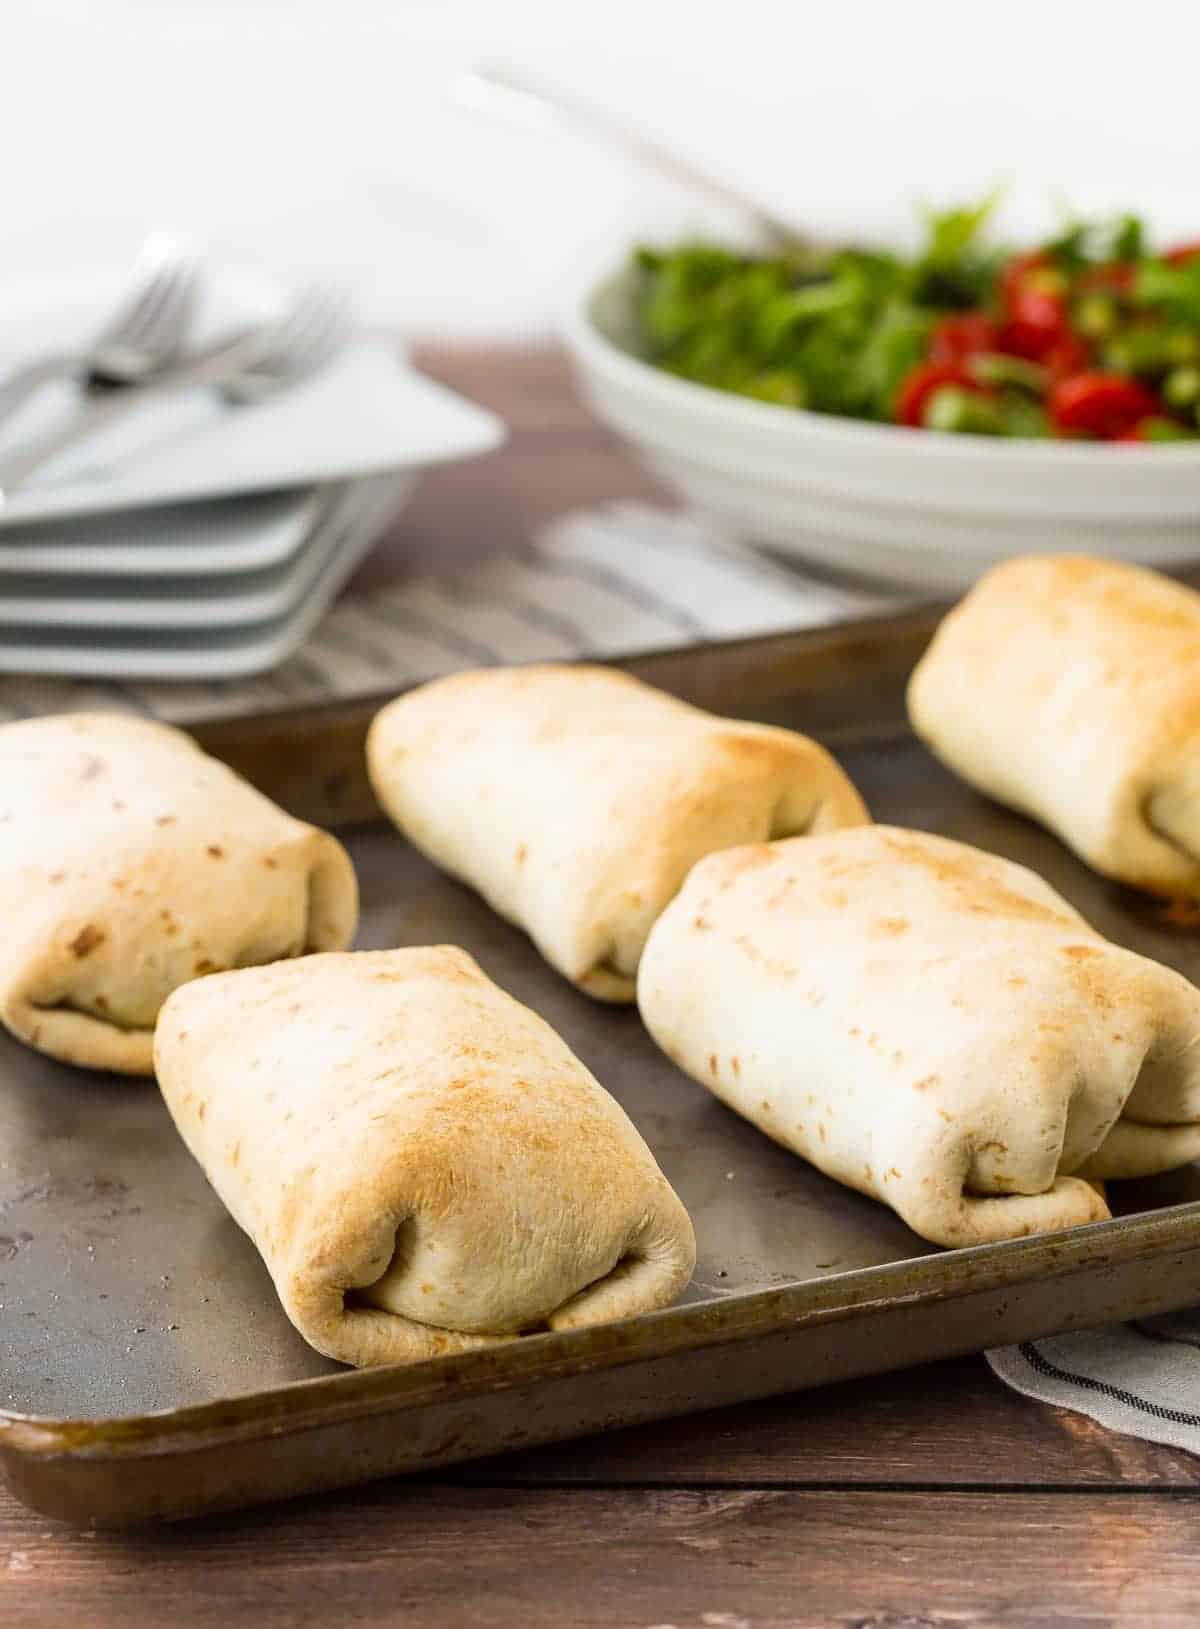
(512, 95)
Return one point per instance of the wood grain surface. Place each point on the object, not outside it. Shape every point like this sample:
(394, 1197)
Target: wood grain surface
(931, 1499)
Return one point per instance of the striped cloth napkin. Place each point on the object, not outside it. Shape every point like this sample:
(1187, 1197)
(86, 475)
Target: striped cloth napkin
(1142, 1379)
(612, 582)
(608, 583)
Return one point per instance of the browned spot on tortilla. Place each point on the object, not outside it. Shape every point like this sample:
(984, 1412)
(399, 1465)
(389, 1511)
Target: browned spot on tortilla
(426, 1289)
(868, 1174)
(271, 863)
(522, 854)
(736, 1065)
(235, 1153)
(766, 1102)
(1080, 953)
(926, 1082)
(120, 884)
(855, 1030)
(733, 861)
(702, 924)
(821, 1133)
(215, 851)
(891, 1173)
(119, 806)
(837, 897)
(204, 966)
(202, 1111)
(976, 885)
(1117, 1035)
(1017, 981)
(56, 876)
(712, 1063)
(891, 925)
(101, 1004)
(92, 767)
(946, 1116)
(86, 940)
(164, 820)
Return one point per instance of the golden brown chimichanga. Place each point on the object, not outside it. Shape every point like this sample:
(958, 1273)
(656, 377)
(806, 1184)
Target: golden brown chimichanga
(1069, 688)
(929, 1024)
(423, 1164)
(576, 799)
(131, 862)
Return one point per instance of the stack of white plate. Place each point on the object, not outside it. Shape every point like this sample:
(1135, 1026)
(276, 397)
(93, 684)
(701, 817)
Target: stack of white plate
(201, 541)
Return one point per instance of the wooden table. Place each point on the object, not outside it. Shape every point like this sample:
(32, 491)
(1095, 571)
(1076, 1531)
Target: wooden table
(929, 1498)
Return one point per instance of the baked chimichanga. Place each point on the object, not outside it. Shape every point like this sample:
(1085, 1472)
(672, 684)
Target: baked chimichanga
(423, 1163)
(130, 862)
(576, 800)
(1069, 688)
(929, 1024)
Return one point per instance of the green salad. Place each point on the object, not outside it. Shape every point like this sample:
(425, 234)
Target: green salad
(1094, 334)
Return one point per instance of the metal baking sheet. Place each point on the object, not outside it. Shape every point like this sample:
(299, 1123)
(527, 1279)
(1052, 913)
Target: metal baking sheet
(146, 1368)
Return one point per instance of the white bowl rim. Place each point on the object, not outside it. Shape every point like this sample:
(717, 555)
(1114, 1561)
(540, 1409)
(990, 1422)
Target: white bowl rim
(584, 336)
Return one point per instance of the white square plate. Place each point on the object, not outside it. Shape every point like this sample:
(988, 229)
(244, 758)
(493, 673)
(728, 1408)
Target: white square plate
(350, 519)
(366, 413)
(214, 537)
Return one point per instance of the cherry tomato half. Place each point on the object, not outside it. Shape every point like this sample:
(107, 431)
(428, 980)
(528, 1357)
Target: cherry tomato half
(1035, 324)
(1015, 273)
(963, 335)
(1100, 404)
(1117, 275)
(919, 384)
(1066, 356)
(1182, 253)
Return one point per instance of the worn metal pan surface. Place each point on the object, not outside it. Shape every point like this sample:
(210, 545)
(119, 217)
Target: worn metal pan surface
(146, 1369)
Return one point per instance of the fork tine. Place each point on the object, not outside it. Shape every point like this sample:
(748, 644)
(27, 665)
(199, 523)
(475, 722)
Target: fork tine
(167, 315)
(160, 310)
(315, 322)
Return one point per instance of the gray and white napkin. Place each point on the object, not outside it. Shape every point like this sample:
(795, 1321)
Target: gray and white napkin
(1142, 1378)
(607, 583)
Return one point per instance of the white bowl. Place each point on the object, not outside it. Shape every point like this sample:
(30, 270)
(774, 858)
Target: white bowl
(917, 507)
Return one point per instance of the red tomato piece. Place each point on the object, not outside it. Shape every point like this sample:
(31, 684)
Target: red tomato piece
(1017, 270)
(1100, 404)
(1182, 253)
(919, 384)
(966, 334)
(1037, 321)
(1068, 355)
(1117, 275)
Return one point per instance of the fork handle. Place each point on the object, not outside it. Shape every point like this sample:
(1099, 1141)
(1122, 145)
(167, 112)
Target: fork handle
(208, 367)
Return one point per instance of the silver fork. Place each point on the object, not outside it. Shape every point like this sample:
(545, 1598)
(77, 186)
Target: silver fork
(246, 368)
(307, 337)
(145, 334)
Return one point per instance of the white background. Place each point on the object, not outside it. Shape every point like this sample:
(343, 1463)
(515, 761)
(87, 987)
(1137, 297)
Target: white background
(319, 135)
